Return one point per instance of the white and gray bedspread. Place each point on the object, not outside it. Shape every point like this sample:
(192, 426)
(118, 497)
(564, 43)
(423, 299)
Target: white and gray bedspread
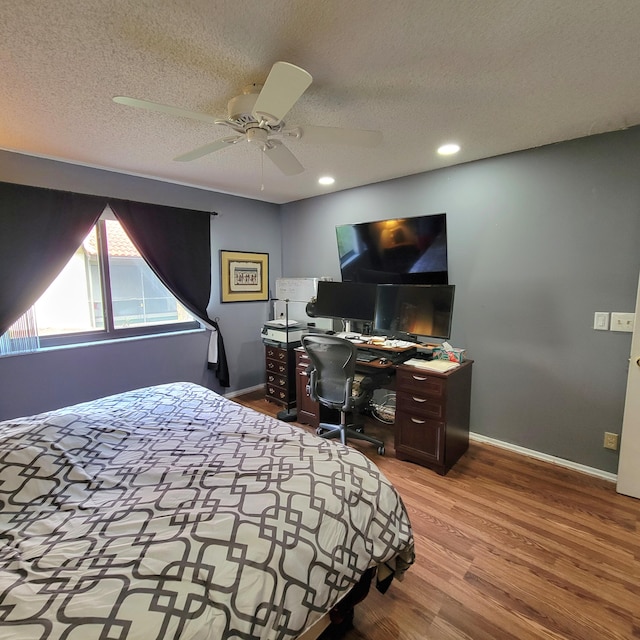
(172, 512)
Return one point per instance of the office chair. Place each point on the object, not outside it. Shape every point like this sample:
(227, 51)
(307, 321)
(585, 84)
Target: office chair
(333, 383)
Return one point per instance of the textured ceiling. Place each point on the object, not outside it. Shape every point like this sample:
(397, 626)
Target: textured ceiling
(494, 75)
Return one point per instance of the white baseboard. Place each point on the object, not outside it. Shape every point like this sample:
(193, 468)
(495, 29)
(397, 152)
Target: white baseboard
(561, 462)
(239, 392)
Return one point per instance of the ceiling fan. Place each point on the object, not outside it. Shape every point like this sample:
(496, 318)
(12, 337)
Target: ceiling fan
(256, 116)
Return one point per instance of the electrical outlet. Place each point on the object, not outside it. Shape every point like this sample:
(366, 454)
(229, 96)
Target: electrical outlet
(610, 440)
(622, 321)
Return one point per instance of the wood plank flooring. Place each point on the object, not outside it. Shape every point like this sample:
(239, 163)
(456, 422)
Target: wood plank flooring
(508, 548)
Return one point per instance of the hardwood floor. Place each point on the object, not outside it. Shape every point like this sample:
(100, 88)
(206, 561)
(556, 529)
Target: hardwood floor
(507, 547)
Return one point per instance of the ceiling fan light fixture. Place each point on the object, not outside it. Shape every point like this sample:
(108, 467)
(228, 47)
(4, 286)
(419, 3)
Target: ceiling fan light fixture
(448, 149)
(258, 136)
(326, 180)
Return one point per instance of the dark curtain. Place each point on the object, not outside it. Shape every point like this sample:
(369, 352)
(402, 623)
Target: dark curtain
(176, 244)
(40, 229)
(220, 365)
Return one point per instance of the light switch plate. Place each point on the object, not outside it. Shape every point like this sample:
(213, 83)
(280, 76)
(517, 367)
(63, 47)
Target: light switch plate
(622, 321)
(601, 321)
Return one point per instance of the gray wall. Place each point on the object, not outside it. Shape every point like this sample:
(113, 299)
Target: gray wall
(55, 378)
(36, 382)
(538, 241)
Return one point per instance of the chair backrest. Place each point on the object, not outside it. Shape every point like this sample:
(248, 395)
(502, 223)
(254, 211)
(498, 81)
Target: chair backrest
(334, 365)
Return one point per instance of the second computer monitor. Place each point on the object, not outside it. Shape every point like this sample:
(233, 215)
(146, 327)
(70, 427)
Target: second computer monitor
(414, 310)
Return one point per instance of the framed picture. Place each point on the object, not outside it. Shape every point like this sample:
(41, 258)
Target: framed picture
(244, 276)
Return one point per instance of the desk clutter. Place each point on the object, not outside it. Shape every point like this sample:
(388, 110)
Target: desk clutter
(370, 348)
(376, 341)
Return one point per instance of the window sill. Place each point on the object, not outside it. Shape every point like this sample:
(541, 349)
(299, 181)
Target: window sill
(94, 343)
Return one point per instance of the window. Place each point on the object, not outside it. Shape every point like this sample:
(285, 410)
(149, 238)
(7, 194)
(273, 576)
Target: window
(105, 291)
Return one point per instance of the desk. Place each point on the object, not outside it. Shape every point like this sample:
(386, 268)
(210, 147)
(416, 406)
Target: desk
(432, 410)
(432, 415)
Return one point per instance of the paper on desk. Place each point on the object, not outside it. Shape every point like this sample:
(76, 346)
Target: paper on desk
(280, 322)
(441, 366)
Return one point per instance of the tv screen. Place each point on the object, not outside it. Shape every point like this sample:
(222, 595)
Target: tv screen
(346, 300)
(399, 251)
(414, 310)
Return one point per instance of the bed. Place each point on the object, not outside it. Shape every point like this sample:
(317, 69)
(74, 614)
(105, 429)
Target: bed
(172, 512)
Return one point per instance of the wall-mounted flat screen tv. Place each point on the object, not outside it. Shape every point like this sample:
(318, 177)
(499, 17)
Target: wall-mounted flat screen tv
(395, 251)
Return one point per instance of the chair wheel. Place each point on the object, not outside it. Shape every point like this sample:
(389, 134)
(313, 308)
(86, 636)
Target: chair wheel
(360, 429)
(319, 431)
(381, 450)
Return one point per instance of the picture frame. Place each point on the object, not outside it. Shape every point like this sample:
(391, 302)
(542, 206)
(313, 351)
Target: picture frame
(244, 276)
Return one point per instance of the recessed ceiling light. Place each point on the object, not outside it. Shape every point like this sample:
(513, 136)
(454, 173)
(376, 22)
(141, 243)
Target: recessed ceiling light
(448, 149)
(327, 180)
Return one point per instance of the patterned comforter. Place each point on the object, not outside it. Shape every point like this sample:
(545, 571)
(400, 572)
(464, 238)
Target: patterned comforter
(172, 512)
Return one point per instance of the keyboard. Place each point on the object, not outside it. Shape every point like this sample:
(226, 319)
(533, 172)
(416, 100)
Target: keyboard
(365, 357)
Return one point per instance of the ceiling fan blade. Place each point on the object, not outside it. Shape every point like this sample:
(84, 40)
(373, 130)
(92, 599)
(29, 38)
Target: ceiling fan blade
(282, 89)
(283, 158)
(335, 135)
(163, 108)
(208, 148)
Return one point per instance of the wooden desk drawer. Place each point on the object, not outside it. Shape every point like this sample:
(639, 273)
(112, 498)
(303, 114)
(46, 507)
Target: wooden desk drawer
(421, 405)
(277, 366)
(421, 383)
(278, 394)
(276, 353)
(418, 439)
(277, 380)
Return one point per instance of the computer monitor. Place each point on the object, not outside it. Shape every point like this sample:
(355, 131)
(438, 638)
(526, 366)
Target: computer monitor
(346, 300)
(406, 310)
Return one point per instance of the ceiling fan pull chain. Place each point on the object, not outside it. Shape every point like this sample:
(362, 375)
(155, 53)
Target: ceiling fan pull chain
(262, 171)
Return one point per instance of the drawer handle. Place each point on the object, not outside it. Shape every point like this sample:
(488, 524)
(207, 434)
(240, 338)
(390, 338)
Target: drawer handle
(420, 378)
(418, 421)
(281, 356)
(281, 369)
(419, 399)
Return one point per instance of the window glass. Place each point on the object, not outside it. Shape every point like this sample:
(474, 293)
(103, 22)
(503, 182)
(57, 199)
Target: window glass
(72, 303)
(74, 308)
(138, 296)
